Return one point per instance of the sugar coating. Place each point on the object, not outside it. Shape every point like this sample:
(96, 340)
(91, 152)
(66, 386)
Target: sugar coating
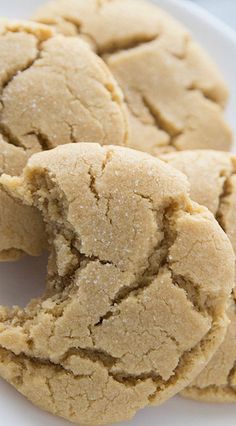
(174, 93)
(53, 90)
(138, 281)
(212, 177)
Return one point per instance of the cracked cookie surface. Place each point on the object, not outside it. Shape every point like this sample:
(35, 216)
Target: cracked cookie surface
(174, 93)
(138, 281)
(212, 177)
(53, 90)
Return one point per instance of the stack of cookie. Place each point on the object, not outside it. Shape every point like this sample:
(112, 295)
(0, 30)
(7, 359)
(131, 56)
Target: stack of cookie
(97, 99)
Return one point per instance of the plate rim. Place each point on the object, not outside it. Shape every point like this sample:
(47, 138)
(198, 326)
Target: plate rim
(203, 15)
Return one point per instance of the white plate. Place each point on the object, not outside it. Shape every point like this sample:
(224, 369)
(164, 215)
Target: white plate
(24, 279)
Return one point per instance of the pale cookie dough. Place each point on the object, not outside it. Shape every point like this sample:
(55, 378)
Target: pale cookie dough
(212, 177)
(53, 90)
(174, 93)
(138, 281)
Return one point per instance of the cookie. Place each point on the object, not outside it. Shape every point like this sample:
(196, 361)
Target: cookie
(138, 281)
(174, 93)
(21, 227)
(212, 177)
(53, 90)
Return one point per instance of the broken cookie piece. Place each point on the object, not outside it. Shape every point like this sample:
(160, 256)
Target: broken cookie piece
(212, 177)
(138, 281)
(53, 90)
(174, 93)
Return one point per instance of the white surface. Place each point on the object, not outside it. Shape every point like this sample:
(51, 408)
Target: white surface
(23, 280)
(224, 9)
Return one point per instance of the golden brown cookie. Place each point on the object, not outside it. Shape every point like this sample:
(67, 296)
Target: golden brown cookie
(212, 177)
(138, 281)
(174, 93)
(53, 90)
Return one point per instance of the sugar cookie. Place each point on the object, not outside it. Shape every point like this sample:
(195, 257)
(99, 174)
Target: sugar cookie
(212, 176)
(138, 281)
(173, 91)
